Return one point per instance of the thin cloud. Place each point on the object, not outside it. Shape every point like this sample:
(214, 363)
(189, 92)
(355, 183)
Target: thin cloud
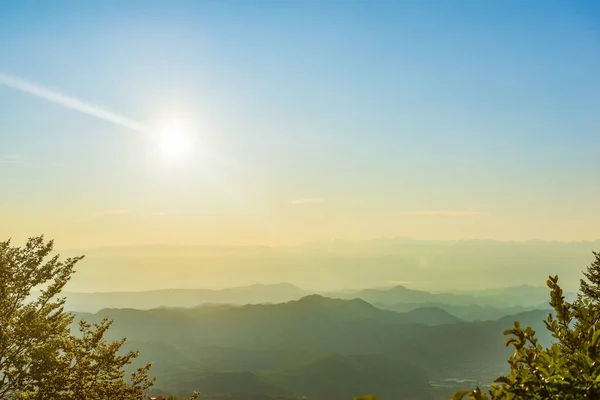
(111, 212)
(159, 213)
(69, 102)
(444, 212)
(309, 200)
(10, 158)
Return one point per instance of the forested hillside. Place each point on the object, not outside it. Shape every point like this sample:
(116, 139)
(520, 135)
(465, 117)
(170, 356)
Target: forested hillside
(311, 346)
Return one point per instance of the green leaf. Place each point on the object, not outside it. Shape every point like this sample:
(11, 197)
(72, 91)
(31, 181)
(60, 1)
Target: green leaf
(503, 379)
(596, 338)
(461, 394)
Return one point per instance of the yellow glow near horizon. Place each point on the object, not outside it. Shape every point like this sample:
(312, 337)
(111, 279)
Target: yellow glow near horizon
(174, 142)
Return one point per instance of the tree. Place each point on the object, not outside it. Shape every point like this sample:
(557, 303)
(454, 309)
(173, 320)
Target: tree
(590, 287)
(39, 357)
(570, 367)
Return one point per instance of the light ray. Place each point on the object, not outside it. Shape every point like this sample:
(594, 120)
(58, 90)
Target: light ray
(70, 102)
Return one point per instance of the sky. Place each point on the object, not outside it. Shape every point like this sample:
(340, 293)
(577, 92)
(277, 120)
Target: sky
(309, 120)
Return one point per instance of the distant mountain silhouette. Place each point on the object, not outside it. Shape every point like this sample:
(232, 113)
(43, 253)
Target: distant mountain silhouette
(472, 312)
(499, 298)
(313, 345)
(392, 295)
(430, 316)
(144, 300)
(317, 324)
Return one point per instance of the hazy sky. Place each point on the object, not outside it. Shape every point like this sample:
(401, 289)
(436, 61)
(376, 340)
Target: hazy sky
(312, 120)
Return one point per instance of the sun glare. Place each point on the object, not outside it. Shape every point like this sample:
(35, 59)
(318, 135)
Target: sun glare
(174, 142)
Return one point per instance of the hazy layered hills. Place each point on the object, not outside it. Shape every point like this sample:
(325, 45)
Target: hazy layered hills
(472, 312)
(217, 321)
(233, 382)
(291, 345)
(144, 300)
(341, 377)
(335, 377)
(483, 305)
(509, 297)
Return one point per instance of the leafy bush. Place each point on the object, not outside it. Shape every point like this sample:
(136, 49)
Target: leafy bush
(570, 367)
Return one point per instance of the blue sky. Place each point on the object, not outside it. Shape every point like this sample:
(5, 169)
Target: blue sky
(386, 114)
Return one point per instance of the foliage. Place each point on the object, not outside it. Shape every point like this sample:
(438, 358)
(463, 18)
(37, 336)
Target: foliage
(590, 287)
(39, 357)
(367, 397)
(570, 367)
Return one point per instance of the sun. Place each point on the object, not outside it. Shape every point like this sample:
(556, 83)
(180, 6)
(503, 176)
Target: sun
(175, 142)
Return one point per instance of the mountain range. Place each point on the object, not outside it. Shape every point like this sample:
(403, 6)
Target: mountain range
(466, 306)
(318, 347)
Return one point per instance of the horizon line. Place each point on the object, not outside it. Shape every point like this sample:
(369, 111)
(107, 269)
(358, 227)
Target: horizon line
(332, 241)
